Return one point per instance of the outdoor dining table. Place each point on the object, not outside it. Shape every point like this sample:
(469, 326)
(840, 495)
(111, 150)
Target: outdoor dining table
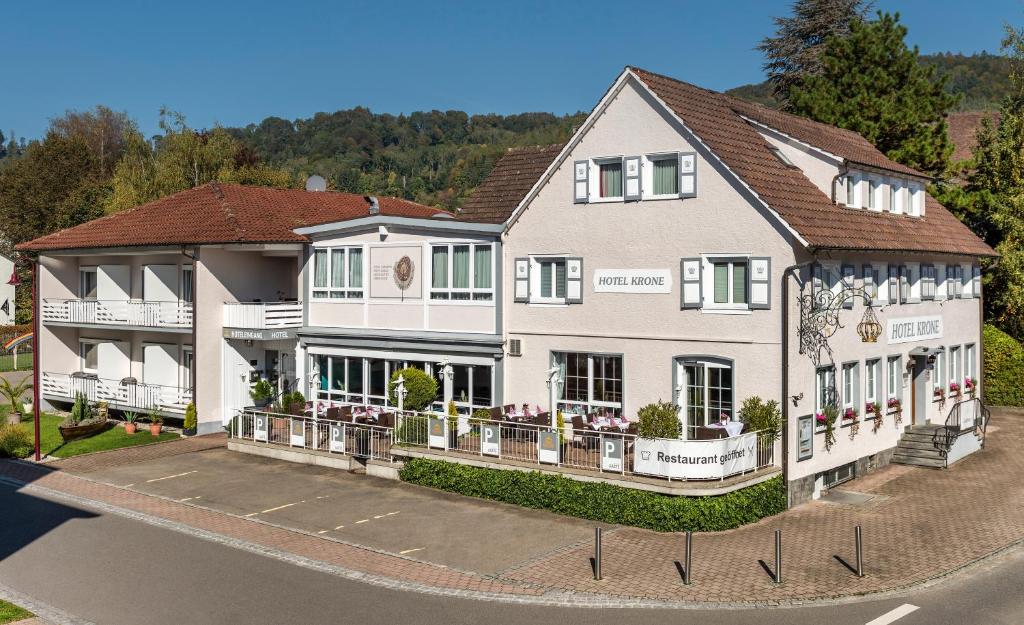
(732, 428)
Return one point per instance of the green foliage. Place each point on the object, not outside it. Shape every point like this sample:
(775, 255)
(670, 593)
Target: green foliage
(1003, 363)
(81, 411)
(873, 84)
(13, 392)
(412, 431)
(421, 388)
(191, 420)
(763, 416)
(480, 415)
(831, 414)
(560, 423)
(293, 401)
(261, 391)
(15, 441)
(130, 417)
(659, 420)
(155, 418)
(599, 501)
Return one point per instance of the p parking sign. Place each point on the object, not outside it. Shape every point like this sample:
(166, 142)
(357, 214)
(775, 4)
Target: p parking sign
(611, 453)
(490, 440)
(259, 428)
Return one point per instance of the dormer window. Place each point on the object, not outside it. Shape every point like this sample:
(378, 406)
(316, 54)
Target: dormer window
(872, 194)
(896, 198)
(851, 191)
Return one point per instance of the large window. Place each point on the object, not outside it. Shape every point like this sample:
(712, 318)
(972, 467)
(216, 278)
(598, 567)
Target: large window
(956, 373)
(730, 283)
(338, 273)
(871, 381)
(590, 382)
(665, 175)
(849, 385)
(825, 388)
(471, 387)
(89, 353)
(939, 370)
(851, 191)
(707, 393)
(462, 272)
(970, 369)
(87, 283)
(187, 284)
(610, 179)
(894, 377)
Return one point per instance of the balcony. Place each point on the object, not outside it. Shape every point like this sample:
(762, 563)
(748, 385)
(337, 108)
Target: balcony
(125, 313)
(262, 315)
(120, 394)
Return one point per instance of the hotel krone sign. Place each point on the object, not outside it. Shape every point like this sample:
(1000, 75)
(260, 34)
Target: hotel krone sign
(632, 281)
(911, 329)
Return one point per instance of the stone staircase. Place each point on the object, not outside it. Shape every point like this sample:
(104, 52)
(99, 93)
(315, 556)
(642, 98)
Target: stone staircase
(917, 447)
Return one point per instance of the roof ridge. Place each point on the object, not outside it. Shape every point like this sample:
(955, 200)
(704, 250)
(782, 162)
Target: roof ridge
(229, 211)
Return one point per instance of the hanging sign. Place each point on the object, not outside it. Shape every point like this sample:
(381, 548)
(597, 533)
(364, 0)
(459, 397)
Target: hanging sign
(717, 458)
(611, 453)
(547, 447)
(260, 427)
(436, 433)
(337, 440)
(490, 440)
(632, 281)
(911, 329)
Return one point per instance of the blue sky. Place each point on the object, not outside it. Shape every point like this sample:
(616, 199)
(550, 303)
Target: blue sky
(236, 63)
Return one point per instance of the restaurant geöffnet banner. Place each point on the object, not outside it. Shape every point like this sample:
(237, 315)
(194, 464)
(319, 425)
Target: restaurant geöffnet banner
(696, 459)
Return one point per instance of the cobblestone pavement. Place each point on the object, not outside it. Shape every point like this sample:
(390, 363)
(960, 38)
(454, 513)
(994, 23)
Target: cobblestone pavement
(918, 525)
(88, 463)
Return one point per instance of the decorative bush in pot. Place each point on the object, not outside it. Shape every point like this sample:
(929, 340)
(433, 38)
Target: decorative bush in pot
(262, 393)
(155, 423)
(130, 422)
(190, 425)
(762, 416)
(12, 393)
(659, 420)
(420, 389)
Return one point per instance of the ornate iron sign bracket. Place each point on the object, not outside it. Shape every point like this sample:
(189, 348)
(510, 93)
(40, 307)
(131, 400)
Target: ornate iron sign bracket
(819, 320)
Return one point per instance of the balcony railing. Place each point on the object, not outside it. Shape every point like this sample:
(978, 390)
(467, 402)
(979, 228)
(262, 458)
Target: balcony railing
(118, 312)
(262, 315)
(119, 393)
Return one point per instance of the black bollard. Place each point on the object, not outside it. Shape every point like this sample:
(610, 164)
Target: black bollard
(688, 558)
(597, 553)
(778, 556)
(860, 551)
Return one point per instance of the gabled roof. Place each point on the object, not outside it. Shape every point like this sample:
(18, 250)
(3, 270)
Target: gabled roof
(222, 213)
(963, 131)
(719, 122)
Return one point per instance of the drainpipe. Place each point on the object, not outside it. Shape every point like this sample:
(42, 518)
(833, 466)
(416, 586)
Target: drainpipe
(194, 257)
(785, 370)
(845, 169)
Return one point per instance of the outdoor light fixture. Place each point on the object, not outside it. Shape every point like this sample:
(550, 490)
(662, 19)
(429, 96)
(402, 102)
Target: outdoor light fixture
(869, 329)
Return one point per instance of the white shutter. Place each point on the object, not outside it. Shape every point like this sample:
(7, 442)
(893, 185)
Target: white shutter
(760, 286)
(113, 283)
(968, 281)
(894, 284)
(573, 280)
(522, 280)
(939, 273)
(913, 277)
(868, 282)
(976, 280)
(631, 178)
(688, 174)
(849, 274)
(690, 270)
(581, 182)
(113, 361)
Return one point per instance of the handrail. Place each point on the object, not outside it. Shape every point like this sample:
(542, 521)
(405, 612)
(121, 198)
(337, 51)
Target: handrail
(953, 428)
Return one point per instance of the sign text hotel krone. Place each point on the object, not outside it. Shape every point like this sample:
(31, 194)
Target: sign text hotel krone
(632, 281)
(910, 329)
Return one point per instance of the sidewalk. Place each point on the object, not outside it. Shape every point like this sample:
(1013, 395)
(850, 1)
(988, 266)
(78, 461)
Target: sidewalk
(918, 525)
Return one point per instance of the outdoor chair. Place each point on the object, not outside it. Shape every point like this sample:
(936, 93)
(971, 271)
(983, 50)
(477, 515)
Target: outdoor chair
(542, 418)
(333, 413)
(495, 413)
(345, 413)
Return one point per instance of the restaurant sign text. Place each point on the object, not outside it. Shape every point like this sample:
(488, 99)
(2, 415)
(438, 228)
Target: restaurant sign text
(910, 329)
(632, 281)
(689, 459)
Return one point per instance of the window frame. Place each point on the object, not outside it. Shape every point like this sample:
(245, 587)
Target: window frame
(594, 193)
(893, 378)
(824, 373)
(82, 272)
(708, 295)
(873, 187)
(535, 294)
(94, 343)
(188, 284)
(939, 371)
(970, 370)
(647, 177)
(706, 365)
(350, 294)
(475, 295)
(566, 406)
(852, 191)
(956, 368)
(871, 371)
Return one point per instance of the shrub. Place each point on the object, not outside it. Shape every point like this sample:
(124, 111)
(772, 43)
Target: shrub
(14, 442)
(421, 389)
(659, 420)
(261, 391)
(1004, 368)
(190, 416)
(81, 411)
(599, 501)
(764, 416)
(480, 415)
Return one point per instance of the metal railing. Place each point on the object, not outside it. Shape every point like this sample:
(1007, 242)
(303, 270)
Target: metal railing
(121, 393)
(175, 314)
(262, 315)
(360, 440)
(965, 416)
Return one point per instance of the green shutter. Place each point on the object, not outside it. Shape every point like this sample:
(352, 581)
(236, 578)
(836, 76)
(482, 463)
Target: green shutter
(545, 279)
(721, 271)
(739, 283)
(560, 279)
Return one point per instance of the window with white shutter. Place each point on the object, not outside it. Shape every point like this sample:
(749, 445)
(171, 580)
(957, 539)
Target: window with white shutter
(760, 283)
(522, 280)
(631, 174)
(976, 280)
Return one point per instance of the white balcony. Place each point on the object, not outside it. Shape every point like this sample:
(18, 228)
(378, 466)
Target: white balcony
(262, 315)
(136, 313)
(120, 394)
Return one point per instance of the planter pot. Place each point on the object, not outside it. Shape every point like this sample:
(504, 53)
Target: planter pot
(130, 428)
(71, 432)
(189, 431)
(154, 428)
(262, 403)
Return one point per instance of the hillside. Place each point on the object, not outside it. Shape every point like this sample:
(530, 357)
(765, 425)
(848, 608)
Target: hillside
(434, 157)
(980, 79)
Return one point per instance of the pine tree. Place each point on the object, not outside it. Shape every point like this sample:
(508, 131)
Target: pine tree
(871, 83)
(794, 52)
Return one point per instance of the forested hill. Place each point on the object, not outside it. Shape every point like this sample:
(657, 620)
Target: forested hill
(981, 79)
(436, 158)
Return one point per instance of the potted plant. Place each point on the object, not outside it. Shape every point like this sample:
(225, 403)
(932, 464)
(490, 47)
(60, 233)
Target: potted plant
(190, 424)
(762, 416)
(877, 411)
(155, 423)
(659, 420)
(954, 389)
(939, 395)
(850, 420)
(81, 422)
(827, 419)
(895, 407)
(130, 422)
(971, 385)
(453, 425)
(262, 393)
(12, 393)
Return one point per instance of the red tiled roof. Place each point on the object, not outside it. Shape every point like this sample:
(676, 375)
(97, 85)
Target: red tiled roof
(716, 119)
(963, 129)
(222, 213)
(513, 176)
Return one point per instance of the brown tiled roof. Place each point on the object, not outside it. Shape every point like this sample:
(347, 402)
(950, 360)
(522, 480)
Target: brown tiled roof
(222, 213)
(513, 176)
(963, 128)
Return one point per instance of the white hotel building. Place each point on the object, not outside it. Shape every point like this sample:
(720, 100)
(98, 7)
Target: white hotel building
(661, 253)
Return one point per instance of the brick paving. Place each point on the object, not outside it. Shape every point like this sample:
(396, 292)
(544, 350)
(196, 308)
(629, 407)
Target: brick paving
(919, 524)
(87, 463)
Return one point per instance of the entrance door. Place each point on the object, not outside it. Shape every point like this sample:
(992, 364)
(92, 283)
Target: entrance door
(919, 392)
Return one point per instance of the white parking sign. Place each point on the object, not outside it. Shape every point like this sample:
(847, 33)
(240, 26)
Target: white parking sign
(611, 453)
(490, 440)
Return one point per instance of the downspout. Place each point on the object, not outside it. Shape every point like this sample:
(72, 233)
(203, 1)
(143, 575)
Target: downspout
(193, 375)
(843, 170)
(785, 371)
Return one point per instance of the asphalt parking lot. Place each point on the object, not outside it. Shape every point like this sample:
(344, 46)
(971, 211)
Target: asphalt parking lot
(459, 532)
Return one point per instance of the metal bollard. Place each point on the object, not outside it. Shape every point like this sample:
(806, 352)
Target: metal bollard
(860, 551)
(597, 553)
(778, 556)
(688, 559)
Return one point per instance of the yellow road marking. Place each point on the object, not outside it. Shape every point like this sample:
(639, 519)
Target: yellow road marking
(167, 477)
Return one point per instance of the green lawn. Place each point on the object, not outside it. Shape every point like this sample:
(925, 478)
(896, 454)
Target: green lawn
(24, 361)
(50, 442)
(10, 613)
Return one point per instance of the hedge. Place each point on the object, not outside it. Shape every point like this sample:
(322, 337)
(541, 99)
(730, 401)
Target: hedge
(1004, 369)
(602, 502)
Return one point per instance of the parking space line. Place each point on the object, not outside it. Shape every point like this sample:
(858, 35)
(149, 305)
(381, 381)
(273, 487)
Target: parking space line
(167, 477)
(190, 498)
(402, 553)
(323, 531)
(363, 521)
(339, 527)
(128, 485)
(287, 505)
(894, 615)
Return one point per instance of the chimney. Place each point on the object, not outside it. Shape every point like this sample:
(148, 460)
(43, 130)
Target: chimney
(374, 206)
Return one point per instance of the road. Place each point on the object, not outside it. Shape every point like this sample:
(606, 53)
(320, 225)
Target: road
(110, 569)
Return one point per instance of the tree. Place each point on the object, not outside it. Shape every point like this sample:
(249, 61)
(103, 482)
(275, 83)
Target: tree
(793, 54)
(104, 131)
(871, 83)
